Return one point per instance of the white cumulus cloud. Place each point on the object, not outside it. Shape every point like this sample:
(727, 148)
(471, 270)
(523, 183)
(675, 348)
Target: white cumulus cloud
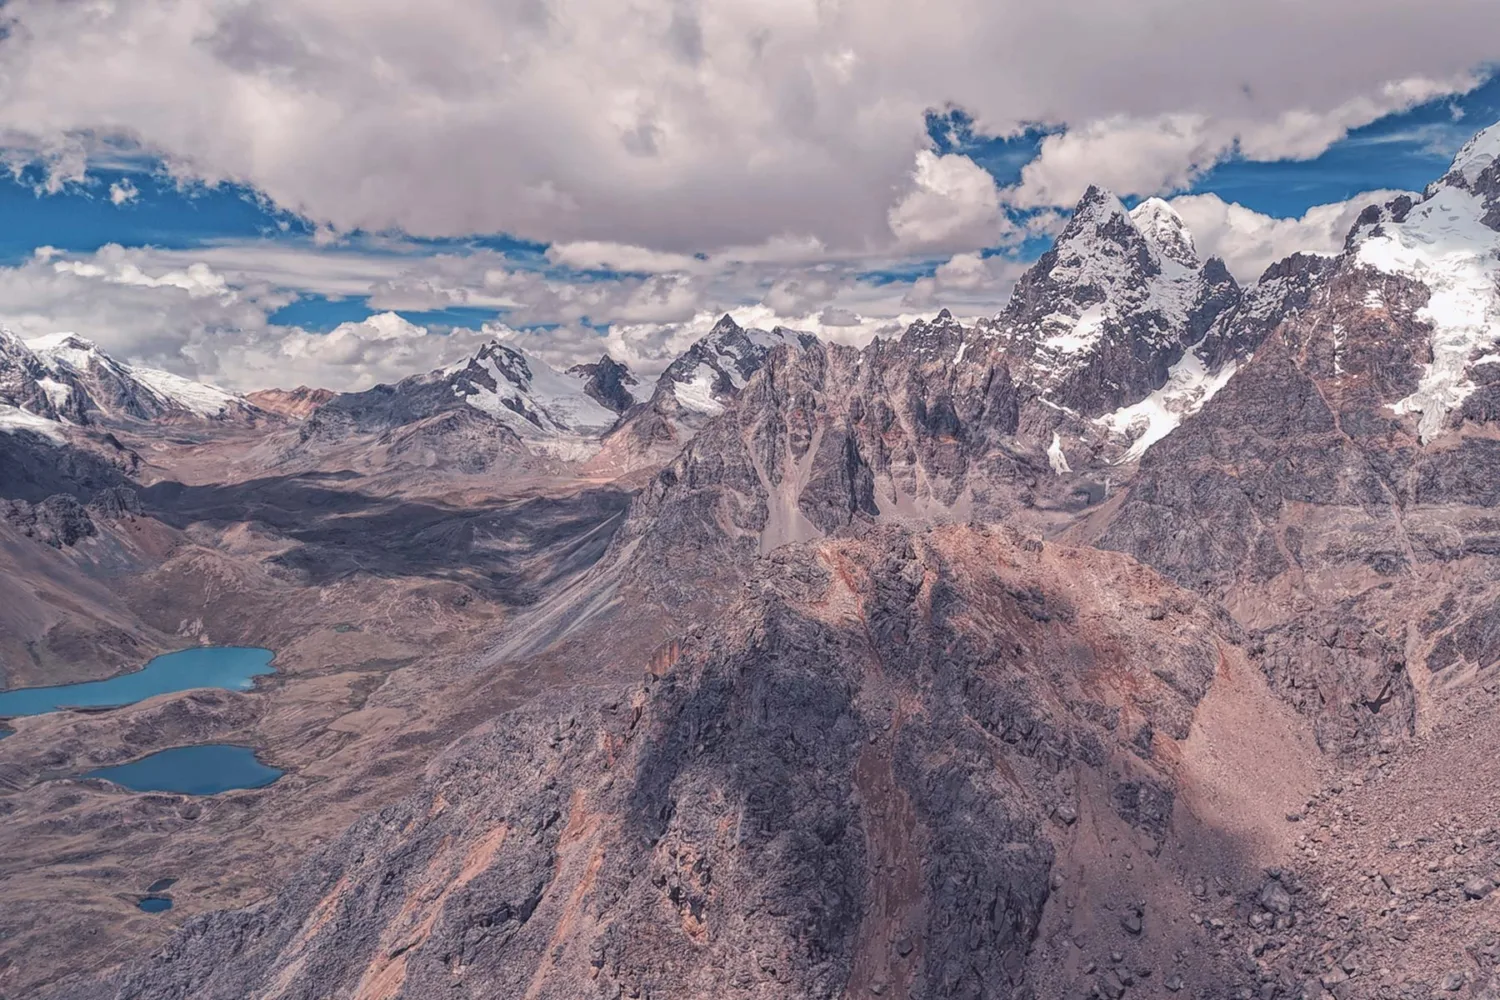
(953, 200)
(688, 126)
(1249, 241)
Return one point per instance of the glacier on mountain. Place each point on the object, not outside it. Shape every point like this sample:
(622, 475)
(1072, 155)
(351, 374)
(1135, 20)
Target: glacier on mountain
(1445, 243)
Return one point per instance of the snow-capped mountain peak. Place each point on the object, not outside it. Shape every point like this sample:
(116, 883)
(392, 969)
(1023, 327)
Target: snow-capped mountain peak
(1098, 321)
(1476, 156)
(1102, 258)
(1164, 228)
(535, 400)
(198, 398)
(70, 347)
(716, 367)
(83, 382)
(608, 382)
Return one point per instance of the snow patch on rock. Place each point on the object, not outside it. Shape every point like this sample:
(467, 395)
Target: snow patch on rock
(1165, 230)
(13, 419)
(1076, 335)
(547, 409)
(1188, 387)
(697, 394)
(1477, 154)
(1055, 456)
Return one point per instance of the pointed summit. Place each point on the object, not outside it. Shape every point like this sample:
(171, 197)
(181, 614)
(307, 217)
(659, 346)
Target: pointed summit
(942, 335)
(1099, 319)
(1448, 240)
(64, 340)
(1098, 200)
(1165, 230)
(500, 404)
(63, 376)
(1477, 155)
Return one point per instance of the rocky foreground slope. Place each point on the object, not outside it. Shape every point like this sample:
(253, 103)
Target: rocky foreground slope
(1138, 641)
(909, 764)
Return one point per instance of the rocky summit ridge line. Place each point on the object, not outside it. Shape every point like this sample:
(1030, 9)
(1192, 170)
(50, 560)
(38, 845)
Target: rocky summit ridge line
(1137, 641)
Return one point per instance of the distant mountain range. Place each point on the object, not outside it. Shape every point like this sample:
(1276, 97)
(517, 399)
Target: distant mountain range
(65, 378)
(1119, 327)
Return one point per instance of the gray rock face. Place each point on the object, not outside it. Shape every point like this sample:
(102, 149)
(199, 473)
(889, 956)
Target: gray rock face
(1344, 670)
(61, 521)
(1298, 471)
(694, 389)
(1283, 290)
(708, 376)
(58, 521)
(1312, 493)
(33, 468)
(20, 374)
(608, 383)
(827, 437)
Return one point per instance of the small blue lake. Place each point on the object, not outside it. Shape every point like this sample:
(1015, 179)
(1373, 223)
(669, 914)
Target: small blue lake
(233, 668)
(199, 770)
(155, 904)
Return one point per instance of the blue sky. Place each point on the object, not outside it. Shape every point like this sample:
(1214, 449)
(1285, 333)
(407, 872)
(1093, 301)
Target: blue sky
(1401, 151)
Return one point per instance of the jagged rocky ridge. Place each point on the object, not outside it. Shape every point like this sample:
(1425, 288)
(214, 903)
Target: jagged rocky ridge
(1031, 417)
(503, 405)
(1112, 336)
(61, 401)
(1346, 473)
(499, 393)
(61, 521)
(695, 388)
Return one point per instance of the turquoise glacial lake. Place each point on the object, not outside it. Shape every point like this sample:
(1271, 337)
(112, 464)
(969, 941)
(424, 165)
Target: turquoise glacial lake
(155, 904)
(233, 668)
(198, 770)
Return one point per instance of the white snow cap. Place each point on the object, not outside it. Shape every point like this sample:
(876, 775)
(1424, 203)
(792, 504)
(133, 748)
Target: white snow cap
(1097, 206)
(1478, 153)
(1165, 230)
(1445, 244)
(53, 341)
(546, 408)
(80, 355)
(198, 398)
(76, 351)
(13, 419)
